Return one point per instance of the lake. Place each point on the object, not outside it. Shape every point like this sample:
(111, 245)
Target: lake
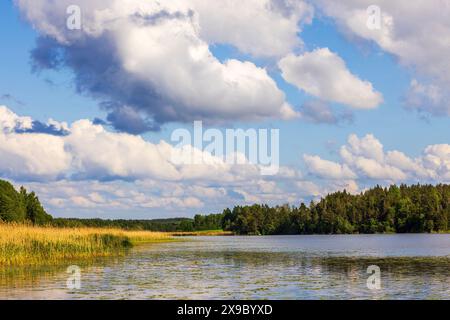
(412, 266)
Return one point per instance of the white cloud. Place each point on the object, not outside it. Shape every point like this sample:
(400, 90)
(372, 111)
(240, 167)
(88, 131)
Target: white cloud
(437, 159)
(31, 155)
(9, 121)
(157, 49)
(258, 27)
(399, 160)
(89, 151)
(368, 147)
(328, 169)
(67, 196)
(417, 34)
(364, 159)
(100, 154)
(324, 74)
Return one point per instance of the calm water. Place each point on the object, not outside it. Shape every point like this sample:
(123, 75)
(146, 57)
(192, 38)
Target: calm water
(276, 267)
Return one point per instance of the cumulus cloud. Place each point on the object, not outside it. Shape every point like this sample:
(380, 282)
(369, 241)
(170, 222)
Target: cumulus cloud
(328, 169)
(32, 156)
(416, 34)
(324, 74)
(94, 199)
(151, 57)
(151, 197)
(365, 158)
(90, 151)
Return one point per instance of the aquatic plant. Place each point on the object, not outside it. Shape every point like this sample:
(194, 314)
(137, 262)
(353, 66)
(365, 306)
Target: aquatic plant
(25, 244)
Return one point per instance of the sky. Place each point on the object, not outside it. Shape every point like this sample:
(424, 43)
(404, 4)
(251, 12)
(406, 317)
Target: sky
(91, 92)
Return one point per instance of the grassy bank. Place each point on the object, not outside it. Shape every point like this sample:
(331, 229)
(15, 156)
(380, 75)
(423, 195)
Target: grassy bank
(22, 244)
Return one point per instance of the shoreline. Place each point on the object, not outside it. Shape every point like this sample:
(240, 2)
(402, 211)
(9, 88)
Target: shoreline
(28, 245)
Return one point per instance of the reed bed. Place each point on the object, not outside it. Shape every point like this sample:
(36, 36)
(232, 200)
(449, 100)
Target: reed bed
(22, 244)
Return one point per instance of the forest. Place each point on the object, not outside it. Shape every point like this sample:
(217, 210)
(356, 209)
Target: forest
(395, 209)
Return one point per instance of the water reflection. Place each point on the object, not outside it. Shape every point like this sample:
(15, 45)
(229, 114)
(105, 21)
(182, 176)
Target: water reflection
(257, 268)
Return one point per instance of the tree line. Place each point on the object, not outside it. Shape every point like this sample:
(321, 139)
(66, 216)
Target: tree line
(396, 209)
(198, 223)
(403, 209)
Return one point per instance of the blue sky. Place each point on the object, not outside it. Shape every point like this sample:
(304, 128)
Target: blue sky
(45, 94)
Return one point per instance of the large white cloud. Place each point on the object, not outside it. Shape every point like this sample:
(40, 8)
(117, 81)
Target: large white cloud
(89, 151)
(416, 33)
(151, 56)
(324, 74)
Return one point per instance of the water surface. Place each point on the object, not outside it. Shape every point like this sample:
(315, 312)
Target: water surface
(413, 266)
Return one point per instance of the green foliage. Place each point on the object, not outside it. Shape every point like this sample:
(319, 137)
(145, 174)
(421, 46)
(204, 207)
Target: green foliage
(34, 209)
(12, 204)
(404, 209)
(21, 206)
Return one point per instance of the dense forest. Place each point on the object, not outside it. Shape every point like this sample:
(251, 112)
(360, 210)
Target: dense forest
(403, 209)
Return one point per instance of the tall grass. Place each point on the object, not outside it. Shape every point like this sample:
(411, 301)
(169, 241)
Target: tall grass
(22, 244)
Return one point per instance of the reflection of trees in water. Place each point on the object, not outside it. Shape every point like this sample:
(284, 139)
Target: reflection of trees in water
(348, 265)
(27, 276)
(348, 268)
(36, 276)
